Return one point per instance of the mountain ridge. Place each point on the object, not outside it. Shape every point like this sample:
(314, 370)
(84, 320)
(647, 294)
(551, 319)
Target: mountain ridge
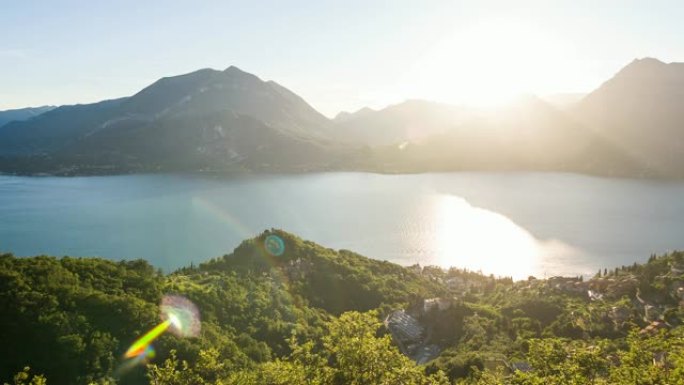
(231, 120)
(639, 110)
(203, 120)
(20, 114)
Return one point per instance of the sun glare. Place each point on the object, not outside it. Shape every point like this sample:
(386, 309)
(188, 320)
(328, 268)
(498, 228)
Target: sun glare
(480, 239)
(175, 321)
(489, 63)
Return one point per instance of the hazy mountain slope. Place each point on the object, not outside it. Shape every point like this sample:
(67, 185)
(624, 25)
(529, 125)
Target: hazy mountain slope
(231, 120)
(207, 119)
(640, 110)
(633, 125)
(22, 114)
(233, 90)
(54, 129)
(218, 141)
(408, 121)
(345, 116)
(527, 135)
(564, 100)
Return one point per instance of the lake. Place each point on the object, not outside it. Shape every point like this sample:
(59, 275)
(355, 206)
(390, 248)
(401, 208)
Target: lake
(509, 224)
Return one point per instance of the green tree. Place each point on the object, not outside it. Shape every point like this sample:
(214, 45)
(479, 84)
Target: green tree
(26, 378)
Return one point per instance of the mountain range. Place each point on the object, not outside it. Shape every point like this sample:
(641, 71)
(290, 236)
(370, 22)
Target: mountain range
(205, 120)
(640, 111)
(528, 134)
(224, 121)
(22, 114)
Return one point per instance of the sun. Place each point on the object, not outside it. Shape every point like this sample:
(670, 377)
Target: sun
(489, 63)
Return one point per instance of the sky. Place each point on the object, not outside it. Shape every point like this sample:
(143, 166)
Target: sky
(337, 55)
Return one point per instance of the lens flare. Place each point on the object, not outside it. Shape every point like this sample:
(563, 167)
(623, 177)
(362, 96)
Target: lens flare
(175, 321)
(179, 316)
(142, 358)
(182, 315)
(274, 245)
(143, 342)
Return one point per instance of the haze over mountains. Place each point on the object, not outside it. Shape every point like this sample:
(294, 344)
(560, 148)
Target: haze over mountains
(22, 114)
(411, 120)
(231, 120)
(641, 111)
(528, 134)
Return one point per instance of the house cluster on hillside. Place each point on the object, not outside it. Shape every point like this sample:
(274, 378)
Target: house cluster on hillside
(459, 284)
(410, 335)
(568, 284)
(677, 286)
(677, 268)
(651, 304)
(506, 367)
(620, 314)
(457, 281)
(654, 327)
(440, 304)
(405, 329)
(614, 287)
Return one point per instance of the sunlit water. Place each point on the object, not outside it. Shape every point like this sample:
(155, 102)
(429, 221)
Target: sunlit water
(505, 224)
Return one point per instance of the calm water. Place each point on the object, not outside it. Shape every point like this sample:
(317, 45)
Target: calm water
(506, 224)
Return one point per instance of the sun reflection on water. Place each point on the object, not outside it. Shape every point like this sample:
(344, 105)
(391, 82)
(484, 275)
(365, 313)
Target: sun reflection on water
(479, 239)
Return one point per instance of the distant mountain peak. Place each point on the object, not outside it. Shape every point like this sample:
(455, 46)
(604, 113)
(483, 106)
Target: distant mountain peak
(235, 70)
(343, 116)
(206, 118)
(646, 61)
(236, 73)
(640, 110)
(649, 67)
(21, 114)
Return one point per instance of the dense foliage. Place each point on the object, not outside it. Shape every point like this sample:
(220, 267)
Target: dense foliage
(312, 315)
(71, 319)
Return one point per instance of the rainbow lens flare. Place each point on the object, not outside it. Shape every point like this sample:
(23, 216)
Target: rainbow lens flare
(274, 245)
(143, 342)
(142, 358)
(179, 316)
(182, 314)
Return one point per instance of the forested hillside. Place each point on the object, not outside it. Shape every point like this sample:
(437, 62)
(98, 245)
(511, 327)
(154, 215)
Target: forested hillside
(302, 313)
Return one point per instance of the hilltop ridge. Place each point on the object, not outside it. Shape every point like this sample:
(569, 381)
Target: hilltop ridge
(266, 301)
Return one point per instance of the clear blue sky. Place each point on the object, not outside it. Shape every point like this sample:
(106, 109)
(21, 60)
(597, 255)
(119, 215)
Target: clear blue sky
(338, 55)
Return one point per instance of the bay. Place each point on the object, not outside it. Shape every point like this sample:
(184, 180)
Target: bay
(507, 224)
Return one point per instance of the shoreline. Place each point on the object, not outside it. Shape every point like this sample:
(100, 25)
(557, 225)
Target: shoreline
(285, 172)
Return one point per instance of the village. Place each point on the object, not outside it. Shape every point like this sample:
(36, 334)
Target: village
(617, 294)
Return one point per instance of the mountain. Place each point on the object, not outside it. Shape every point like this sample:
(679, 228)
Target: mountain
(345, 116)
(223, 121)
(563, 100)
(632, 125)
(640, 111)
(528, 134)
(207, 91)
(22, 114)
(411, 120)
(204, 120)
